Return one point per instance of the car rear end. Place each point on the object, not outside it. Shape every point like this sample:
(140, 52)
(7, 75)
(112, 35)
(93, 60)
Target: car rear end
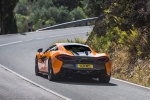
(83, 65)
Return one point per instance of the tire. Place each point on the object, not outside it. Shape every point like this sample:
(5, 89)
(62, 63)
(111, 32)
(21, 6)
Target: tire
(51, 75)
(36, 67)
(103, 77)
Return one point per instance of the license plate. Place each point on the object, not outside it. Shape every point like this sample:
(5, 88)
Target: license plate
(84, 66)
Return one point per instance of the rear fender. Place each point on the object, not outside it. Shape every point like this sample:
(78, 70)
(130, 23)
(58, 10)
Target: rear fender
(108, 63)
(56, 64)
(108, 68)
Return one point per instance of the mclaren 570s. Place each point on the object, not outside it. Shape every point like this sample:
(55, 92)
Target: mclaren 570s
(72, 60)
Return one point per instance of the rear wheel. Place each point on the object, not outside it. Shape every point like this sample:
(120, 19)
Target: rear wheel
(36, 67)
(103, 77)
(51, 75)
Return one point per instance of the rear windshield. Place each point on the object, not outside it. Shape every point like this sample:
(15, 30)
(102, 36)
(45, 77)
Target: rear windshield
(77, 48)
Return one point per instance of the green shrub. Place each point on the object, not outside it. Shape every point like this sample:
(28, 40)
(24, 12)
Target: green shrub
(78, 13)
(122, 32)
(21, 23)
(40, 10)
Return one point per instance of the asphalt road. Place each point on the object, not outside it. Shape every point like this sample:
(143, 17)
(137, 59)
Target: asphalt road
(13, 87)
(17, 52)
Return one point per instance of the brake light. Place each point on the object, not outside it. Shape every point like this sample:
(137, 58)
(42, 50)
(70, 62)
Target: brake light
(105, 59)
(64, 57)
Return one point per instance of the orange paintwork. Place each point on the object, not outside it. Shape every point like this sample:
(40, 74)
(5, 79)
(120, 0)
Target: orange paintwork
(108, 64)
(108, 68)
(56, 64)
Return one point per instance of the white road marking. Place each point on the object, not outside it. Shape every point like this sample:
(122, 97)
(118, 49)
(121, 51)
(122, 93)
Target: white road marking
(28, 40)
(22, 77)
(131, 83)
(48, 90)
(59, 36)
(41, 38)
(10, 43)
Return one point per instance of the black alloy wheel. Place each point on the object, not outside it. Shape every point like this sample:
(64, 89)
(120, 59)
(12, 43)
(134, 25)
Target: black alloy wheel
(103, 77)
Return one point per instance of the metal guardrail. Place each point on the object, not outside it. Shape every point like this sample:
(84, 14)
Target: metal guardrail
(77, 22)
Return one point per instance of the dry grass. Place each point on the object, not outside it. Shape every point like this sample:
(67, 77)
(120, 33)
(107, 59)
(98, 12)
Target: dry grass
(126, 68)
(75, 40)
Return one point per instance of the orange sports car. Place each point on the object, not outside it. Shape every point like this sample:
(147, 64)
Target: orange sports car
(72, 59)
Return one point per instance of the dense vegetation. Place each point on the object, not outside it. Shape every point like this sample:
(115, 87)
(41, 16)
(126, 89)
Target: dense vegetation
(42, 13)
(123, 31)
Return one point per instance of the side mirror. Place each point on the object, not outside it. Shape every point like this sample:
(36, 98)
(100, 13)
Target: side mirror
(40, 50)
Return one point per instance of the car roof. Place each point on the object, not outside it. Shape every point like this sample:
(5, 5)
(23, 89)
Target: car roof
(65, 44)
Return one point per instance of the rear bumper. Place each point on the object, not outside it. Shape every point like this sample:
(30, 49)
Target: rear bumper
(73, 66)
(70, 70)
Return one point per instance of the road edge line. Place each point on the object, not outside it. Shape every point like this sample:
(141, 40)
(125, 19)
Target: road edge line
(131, 83)
(40, 86)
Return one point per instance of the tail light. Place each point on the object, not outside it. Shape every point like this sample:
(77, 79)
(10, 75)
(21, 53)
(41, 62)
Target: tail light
(64, 57)
(105, 59)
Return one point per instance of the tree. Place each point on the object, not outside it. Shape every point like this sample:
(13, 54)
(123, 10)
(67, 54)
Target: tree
(70, 4)
(122, 22)
(8, 21)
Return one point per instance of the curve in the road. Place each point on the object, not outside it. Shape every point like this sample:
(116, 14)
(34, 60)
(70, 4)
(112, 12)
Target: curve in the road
(19, 57)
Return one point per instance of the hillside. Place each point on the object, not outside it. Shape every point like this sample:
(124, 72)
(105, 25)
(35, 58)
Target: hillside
(123, 31)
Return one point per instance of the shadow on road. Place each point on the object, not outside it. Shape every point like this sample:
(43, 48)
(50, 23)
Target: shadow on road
(81, 81)
(84, 81)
